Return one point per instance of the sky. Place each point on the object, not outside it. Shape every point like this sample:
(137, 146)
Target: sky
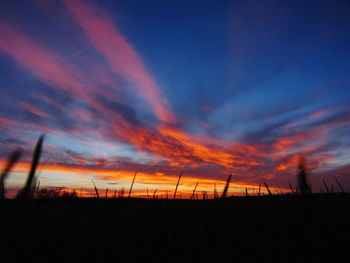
(210, 88)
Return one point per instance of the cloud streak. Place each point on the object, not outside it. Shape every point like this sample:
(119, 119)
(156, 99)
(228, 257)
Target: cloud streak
(121, 56)
(40, 61)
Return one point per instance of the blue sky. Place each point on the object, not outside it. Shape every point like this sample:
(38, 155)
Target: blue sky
(208, 87)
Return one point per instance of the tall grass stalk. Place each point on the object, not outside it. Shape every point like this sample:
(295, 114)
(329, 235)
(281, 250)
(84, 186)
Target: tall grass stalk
(291, 188)
(325, 185)
(194, 191)
(304, 186)
(340, 186)
(132, 184)
(27, 191)
(14, 157)
(224, 193)
(177, 184)
(215, 192)
(267, 188)
(96, 190)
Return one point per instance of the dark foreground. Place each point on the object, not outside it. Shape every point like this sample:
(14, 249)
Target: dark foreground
(264, 229)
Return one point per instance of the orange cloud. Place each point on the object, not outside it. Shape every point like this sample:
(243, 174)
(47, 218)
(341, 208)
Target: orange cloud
(291, 163)
(286, 143)
(183, 149)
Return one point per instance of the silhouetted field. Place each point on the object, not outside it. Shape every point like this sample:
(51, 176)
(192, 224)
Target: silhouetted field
(298, 227)
(285, 228)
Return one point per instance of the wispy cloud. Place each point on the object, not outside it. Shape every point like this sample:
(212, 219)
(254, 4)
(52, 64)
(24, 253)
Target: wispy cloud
(119, 53)
(39, 60)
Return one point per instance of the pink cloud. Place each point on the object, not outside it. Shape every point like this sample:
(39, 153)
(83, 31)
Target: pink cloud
(121, 56)
(40, 61)
(48, 66)
(33, 109)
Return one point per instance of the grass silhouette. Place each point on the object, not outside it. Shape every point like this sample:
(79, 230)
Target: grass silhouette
(325, 185)
(267, 188)
(96, 190)
(14, 157)
(29, 188)
(177, 184)
(194, 191)
(224, 193)
(291, 188)
(340, 186)
(132, 184)
(304, 186)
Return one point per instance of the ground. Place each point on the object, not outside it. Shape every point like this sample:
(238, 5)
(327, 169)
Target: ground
(287, 228)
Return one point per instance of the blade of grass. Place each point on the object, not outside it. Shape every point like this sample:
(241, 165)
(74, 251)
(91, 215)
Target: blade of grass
(14, 157)
(224, 193)
(340, 186)
(132, 184)
(267, 188)
(194, 191)
(178, 181)
(37, 188)
(325, 185)
(291, 188)
(121, 193)
(96, 190)
(26, 192)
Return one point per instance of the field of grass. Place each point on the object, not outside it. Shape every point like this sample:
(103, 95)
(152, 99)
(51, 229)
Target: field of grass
(50, 226)
(288, 228)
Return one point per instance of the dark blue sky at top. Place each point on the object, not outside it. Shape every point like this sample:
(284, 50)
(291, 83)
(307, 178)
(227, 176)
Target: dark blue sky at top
(248, 55)
(232, 70)
(251, 53)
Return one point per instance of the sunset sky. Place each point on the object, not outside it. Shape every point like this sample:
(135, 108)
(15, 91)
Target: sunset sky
(211, 88)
